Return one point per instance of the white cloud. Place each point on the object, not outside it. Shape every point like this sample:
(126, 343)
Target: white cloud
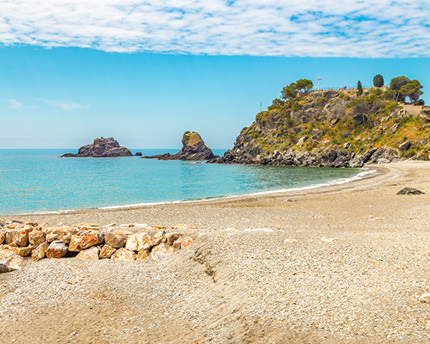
(15, 105)
(350, 28)
(64, 105)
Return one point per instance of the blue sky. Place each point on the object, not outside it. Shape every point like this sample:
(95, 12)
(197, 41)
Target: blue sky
(144, 72)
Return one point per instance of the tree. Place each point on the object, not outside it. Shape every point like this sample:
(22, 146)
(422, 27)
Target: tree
(412, 90)
(289, 92)
(378, 80)
(396, 84)
(359, 88)
(304, 85)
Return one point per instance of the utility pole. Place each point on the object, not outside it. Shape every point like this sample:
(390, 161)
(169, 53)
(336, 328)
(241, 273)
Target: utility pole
(319, 83)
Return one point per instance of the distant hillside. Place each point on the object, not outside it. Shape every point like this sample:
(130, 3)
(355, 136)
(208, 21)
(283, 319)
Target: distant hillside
(336, 128)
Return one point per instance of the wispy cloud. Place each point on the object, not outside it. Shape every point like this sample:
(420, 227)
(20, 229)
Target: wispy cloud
(63, 105)
(350, 28)
(15, 105)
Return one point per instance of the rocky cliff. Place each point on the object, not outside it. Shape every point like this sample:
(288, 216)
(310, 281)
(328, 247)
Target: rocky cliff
(101, 148)
(335, 128)
(193, 148)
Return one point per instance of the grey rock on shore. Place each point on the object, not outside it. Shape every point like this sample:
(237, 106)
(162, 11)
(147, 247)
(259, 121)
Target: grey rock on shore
(101, 148)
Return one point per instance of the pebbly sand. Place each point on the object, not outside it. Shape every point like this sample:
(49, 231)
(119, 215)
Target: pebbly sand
(342, 264)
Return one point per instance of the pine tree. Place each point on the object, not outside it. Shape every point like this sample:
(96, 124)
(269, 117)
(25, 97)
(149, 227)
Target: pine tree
(359, 88)
(378, 80)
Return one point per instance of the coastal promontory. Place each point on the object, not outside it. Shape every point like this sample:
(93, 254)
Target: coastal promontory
(337, 127)
(193, 148)
(101, 148)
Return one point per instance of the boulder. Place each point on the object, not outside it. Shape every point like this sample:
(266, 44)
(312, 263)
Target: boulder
(124, 254)
(9, 261)
(39, 252)
(17, 236)
(101, 148)
(405, 146)
(410, 191)
(186, 242)
(57, 249)
(138, 154)
(161, 251)
(36, 237)
(139, 242)
(84, 240)
(107, 251)
(2, 236)
(172, 237)
(117, 239)
(193, 148)
(89, 253)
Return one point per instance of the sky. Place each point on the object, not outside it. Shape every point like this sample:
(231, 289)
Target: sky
(146, 71)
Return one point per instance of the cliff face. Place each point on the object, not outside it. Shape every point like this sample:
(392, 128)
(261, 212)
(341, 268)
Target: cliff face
(101, 148)
(193, 148)
(335, 129)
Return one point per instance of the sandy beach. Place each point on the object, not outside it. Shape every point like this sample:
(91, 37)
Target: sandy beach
(339, 264)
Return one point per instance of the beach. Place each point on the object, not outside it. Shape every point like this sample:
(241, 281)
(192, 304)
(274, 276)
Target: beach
(338, 264)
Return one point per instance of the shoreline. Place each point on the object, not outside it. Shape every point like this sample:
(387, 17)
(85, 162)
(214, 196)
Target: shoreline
(370, 171)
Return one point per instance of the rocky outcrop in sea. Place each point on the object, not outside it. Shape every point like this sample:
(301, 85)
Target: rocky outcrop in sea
(193, 148)
(101, 148)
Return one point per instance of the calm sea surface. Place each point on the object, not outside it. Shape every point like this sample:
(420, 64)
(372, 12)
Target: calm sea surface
(39, 181)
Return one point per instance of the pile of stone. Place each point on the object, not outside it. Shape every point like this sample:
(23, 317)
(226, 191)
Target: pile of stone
(19, 240)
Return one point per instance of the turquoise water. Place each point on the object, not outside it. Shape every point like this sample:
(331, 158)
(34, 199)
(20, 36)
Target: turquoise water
(38, 181)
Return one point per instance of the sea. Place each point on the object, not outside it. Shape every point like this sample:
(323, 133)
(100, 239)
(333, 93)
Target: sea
(38, 181)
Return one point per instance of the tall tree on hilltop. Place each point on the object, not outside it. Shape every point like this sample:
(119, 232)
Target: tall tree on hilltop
(378, 80)
(396, 84)
(304, 85)
(412, 90)
(359, 88)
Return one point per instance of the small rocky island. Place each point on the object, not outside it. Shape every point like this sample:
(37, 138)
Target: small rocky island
(193, 148)
(100, 148)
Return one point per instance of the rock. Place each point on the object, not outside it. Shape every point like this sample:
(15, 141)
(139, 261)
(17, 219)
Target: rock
(84, 240)
(107, 251)
(193, 148)
(117, 239)
(316, 134)
(139, 242)
(182, 227)
(157, 238)
(17, 236)
(2, 236)
(424, 298)
(51, 237)
(124, 254)
(101, 148)
(89, 253)
(410, 191)
(405, 146)
(9, 261)
(142, 255)
(36, 237)
(346, 145)
(39, 252)
(172, 237)
(302, 141)
(186, 242)
(138, 154)
(161, 251)
(57, 249)
(23, 251)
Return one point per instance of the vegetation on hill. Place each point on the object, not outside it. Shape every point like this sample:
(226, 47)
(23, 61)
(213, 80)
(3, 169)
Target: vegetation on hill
(340, 120)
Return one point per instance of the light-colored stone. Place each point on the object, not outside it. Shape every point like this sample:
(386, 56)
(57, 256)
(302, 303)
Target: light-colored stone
(139, 242)
(124, 254)
(17, 236)
(117, 239)
(10, 261)
(161, 251)
(2, 236)
(84, 240)
(184, 227)
(142, 255)
(425, 298)
(107, 251)
(24, 251)
(172, 237)
(51, 237)
(36, 237)
(57, 249)
(40, 251)
(157, 238)
(186, 242)
(89, 253)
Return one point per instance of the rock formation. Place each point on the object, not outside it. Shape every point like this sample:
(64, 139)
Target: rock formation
(100, 148)
(87, 241)
(193, 148)
(333, 128)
